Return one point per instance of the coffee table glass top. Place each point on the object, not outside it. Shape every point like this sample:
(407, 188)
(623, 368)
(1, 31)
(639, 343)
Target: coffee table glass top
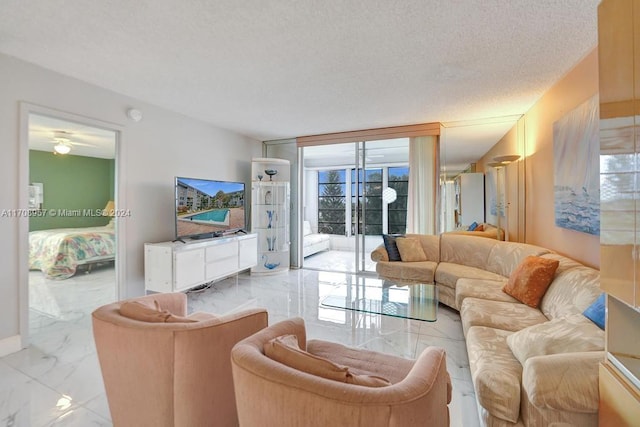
(373, 295)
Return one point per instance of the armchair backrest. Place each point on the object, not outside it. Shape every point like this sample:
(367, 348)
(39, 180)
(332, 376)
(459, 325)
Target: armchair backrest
(170, 374)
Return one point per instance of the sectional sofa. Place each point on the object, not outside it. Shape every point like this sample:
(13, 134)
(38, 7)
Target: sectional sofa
(314, 242)
(483, 230)
(529, 366)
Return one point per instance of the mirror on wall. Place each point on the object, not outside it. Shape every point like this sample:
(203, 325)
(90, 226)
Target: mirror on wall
(72, 232)
(462, 146)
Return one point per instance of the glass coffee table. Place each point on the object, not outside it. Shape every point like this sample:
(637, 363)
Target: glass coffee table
(373, 295)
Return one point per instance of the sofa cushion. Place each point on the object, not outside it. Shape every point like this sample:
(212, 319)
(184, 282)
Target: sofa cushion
(410, 249)
(551, 383)
(447, 274)
(481, 288)
(564, 262)
(571, 292)
(430, 245)
(508, 316)
(495, 372)
(571, 334)
(390, 245)
(596, 311)
(505, 257)
(465, 250)
(410, 272)
(285, 349)
(529, 282)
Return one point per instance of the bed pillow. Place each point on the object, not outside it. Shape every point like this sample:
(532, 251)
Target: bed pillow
(410, 249)
(285, 349)
(570, 334)
(391, 247)
(531, 279)
(138, 311)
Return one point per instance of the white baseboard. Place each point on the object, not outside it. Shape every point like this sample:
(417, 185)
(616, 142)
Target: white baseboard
(10, 345)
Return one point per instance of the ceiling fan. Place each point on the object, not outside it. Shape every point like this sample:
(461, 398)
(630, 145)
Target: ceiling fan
(62, 136)
(62, 140)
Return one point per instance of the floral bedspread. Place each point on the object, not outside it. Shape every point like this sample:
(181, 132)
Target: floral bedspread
(58, 252)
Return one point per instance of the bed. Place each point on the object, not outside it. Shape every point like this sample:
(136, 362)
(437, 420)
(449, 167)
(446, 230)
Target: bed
(58, 252)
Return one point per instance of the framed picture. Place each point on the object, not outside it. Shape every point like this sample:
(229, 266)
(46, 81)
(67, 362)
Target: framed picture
(576, 154)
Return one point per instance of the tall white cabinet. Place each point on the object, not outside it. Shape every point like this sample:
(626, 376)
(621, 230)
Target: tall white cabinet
(469, 190)
(270, 213)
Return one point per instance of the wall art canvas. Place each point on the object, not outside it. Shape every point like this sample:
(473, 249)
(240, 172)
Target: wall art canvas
(576, 151)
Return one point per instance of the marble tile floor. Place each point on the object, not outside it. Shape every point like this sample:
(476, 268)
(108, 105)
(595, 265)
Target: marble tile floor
(56, 381)
(333, 260)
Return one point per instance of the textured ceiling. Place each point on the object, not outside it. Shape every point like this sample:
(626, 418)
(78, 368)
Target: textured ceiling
(280, 69)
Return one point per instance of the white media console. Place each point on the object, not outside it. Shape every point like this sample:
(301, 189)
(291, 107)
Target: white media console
(176, 266)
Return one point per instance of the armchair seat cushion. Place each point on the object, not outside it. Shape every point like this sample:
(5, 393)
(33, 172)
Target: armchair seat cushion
(363, 362)
(285, 349)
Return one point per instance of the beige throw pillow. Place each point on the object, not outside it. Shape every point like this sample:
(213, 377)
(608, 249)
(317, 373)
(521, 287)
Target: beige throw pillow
(568, 334)
(138, 311)
(410, 249)
(285, 349)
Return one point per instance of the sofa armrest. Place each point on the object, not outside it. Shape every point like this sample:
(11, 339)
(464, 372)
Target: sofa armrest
(564, 382)
(379, 254)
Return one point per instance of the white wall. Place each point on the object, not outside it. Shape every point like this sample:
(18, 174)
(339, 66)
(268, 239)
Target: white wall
(164, 144)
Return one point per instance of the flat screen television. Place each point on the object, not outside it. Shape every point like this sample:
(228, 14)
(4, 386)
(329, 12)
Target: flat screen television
(208, 208)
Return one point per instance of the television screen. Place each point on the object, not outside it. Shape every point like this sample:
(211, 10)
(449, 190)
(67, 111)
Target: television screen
(208, 208)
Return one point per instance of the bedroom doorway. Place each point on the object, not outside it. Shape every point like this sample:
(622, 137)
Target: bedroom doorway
(72, 243)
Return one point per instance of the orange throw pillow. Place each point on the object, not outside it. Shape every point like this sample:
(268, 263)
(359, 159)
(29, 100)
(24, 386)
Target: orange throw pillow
(531, 279)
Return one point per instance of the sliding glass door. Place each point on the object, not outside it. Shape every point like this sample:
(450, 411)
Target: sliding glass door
(353, 193)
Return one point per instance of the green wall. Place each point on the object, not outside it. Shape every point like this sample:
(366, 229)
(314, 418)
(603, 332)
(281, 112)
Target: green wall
(74, 188)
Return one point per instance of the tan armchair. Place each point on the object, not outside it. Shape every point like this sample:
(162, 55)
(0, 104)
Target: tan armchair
(270, 393)
(170, 374)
